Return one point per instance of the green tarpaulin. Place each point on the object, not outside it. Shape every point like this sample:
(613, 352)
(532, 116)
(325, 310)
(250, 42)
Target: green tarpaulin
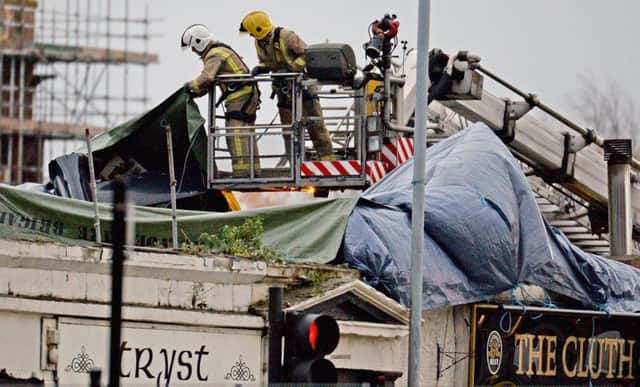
(144, 139)
(308, 232)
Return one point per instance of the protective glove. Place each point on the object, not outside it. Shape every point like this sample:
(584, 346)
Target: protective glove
(259, 70)
(461, 62)
(452, 59)
(473, 60)
(189, 90)
(437, 62)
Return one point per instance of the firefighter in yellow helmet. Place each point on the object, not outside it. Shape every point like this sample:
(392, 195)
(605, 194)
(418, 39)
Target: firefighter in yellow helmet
(280, 49)
(240, 99)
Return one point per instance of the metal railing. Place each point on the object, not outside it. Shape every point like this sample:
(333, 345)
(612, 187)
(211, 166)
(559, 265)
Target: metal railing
(218, 155)
(345, 126)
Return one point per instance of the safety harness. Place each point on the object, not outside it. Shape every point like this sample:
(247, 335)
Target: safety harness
(279, 45)
(281, 55)
(235, 90)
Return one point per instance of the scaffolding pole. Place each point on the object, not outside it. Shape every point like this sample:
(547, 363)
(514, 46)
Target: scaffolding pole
(145, 75)
(1, 97)
(21, 122)
(39, 171)
(20, 165)
(53, 28)
(12, 81)
(107, 75)
(10, 158)
(66, 64)
(75, 20)
(2, 103)
(87, 70)
(126, 68)
(76, 70)
(66, 87)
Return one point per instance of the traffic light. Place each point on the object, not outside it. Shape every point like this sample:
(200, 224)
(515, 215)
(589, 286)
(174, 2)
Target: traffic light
(308, 338)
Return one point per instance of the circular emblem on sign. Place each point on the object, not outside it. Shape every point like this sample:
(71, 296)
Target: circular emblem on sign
(494, 352)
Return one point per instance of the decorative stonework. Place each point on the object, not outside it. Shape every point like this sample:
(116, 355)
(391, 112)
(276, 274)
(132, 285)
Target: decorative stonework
(82, 363)
(240, 372)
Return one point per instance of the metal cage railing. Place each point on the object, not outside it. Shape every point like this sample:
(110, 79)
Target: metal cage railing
(346, 128)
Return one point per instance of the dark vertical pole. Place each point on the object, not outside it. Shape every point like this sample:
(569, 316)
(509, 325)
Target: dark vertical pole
(118, 231)
(276, 330)
(94, 378)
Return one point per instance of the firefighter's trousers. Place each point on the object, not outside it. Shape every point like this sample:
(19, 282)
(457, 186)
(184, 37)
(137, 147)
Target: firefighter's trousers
(239, 141)
(317, 130)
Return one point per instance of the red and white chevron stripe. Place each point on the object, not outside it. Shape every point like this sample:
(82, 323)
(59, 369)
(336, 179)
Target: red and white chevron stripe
(397, 151)
(375, 169)
(330, 168)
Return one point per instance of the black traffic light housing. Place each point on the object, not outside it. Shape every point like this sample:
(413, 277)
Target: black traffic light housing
(308, 338)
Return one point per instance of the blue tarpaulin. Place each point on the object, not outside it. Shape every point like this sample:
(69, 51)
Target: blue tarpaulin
(483, 234)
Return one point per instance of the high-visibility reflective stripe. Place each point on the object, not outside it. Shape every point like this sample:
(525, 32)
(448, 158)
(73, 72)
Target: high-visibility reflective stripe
(245, 90)
(244, 166)
(239, 163)
(228, 58)
(300, 61)
(195, 86)
(281, 54)
(237, 167)
(239, 160)
(283, 50)
(259, 50)
(235, 68)
(226, 55)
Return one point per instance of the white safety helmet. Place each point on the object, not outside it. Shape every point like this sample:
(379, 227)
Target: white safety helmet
(196, 37)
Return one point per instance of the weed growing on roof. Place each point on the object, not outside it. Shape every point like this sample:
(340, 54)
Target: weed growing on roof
(318, 279)
(244, 240)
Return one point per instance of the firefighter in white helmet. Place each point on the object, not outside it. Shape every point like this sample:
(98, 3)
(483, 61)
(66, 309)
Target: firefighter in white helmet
(241, 100)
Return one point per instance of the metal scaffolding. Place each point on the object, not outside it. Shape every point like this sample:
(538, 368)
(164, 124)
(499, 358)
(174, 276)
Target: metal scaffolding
(60, 66)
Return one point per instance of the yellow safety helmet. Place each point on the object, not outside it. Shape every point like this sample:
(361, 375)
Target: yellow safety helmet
(257, 24)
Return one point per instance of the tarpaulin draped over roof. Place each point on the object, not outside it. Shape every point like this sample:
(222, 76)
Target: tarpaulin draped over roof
(308, 232)
(483, 234)
(137, 151)
(146, 140)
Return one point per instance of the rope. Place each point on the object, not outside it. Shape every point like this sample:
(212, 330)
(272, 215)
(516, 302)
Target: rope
(505, 331)
(526, 296)
(548, 303)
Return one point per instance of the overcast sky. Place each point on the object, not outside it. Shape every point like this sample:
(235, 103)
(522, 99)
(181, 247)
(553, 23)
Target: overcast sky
(541, 46)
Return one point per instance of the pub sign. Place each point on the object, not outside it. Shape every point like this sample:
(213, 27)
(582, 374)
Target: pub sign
(553, 347)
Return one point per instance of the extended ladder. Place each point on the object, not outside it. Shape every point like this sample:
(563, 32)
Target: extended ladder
(559, 150)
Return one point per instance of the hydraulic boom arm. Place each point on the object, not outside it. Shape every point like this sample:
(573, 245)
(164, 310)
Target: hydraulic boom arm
(559, 150)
